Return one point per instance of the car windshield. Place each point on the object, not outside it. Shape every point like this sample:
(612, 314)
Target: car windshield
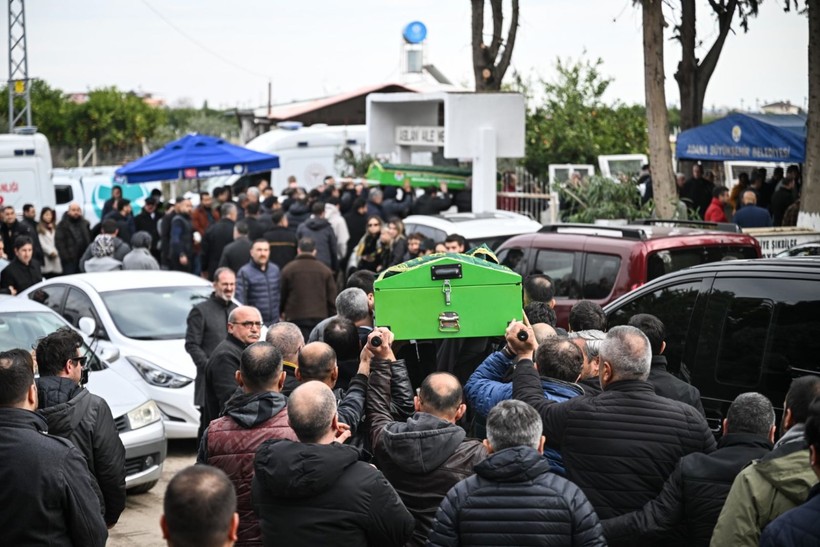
(153, 313)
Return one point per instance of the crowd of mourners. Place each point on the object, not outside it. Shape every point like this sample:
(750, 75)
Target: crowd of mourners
(319, 427)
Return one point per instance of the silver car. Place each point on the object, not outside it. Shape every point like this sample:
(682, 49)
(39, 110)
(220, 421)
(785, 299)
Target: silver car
(138, 419)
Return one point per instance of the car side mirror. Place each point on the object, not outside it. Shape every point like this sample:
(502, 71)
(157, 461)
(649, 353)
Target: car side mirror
(87, 326)
(109, 354)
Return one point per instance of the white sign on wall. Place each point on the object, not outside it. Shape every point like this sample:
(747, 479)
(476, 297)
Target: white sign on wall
(419, 135)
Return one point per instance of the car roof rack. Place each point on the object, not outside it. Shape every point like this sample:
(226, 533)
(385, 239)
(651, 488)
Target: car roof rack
(719, 226)
(627, 232)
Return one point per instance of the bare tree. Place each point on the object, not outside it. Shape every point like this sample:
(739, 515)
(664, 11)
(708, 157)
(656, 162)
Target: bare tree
(657, 116)
(490, 61)
(693, 74)
(810, 201)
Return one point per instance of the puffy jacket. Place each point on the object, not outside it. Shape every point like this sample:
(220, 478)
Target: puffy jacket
(797, 527)
(486, 388)
(207, 327)
(619, 446)
(321, 232)
(259, 288)
(230, 444)
(308, 289)
(48, 495)
(422, 458)
(220, 376)
(693, 495)
(84, 419)
(312, 494)
(667, 385)
(514, 499)
(765, 490)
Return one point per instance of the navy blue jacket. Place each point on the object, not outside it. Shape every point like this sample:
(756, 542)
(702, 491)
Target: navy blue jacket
(795, 527)
(260, 289)
(752, 216)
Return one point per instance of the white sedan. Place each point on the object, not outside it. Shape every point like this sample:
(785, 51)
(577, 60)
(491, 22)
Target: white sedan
(142, 315)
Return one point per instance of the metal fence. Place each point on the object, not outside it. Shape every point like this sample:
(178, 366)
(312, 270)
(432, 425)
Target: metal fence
(524, 193)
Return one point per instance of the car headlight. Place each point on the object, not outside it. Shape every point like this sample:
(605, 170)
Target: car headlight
(158, 376)
(143, 415)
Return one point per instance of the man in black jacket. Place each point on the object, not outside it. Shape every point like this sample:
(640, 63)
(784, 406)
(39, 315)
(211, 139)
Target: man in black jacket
(11, 228)
(666, 385)
(207, 327)
(428, 454)
(282, 239)
(48, 495)
(244, 328)
(514, 498)
(85, 419)
(147, 221)
(317, 361)
(237, 253)
(694, 493)
(621, 445)
(181, 242)
(71, 237)
(319, 490)
(218, 236)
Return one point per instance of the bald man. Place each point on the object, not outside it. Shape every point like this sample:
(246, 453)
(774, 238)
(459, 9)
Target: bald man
(750, 215)
(317, 488)
(317, 361)
(428, 454)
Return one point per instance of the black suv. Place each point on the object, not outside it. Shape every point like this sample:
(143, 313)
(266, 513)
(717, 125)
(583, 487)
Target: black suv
(735, 326)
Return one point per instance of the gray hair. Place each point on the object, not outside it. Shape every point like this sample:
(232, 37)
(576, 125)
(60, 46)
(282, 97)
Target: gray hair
(593, 340)
(226, 209)
(253, 190)
(287, 338)
(513, 423)
(627, 350)
(352, 304)
(311, 408)
(751, 413)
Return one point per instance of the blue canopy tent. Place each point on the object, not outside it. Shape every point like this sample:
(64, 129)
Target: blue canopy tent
(195, 157)
(746, 137)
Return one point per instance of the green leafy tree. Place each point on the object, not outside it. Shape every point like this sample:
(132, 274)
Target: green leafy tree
(50, 110)
(602, 198)
(573, 124)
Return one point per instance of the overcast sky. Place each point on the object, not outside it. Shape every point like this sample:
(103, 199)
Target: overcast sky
(225, 52)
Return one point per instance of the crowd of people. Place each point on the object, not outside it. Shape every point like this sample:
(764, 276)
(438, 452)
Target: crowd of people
(756, 201)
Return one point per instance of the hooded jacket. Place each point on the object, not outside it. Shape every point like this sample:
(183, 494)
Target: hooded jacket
(84, 419)
(693, 495)
(796, 527)
(48, 495)
(486, 388)
(514, 499)
(422, 458)
(321, 232)
(121, 248)
(312, 494)
(765, 490)
(230, 444)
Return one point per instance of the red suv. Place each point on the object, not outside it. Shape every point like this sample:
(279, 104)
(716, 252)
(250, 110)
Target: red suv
(601, 263)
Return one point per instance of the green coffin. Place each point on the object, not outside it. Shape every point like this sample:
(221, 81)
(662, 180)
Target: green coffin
(447, 295)
(419, 176)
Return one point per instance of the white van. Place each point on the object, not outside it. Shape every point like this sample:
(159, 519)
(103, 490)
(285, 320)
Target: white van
(308, 153)
(25, 171)
(91, 187)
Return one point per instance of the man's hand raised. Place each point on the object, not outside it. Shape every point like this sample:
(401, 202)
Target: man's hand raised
(523, 349)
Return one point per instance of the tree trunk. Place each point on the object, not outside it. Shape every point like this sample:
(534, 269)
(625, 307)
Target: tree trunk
(488, 67)
(657, 117)
(693, 76)
(810, 201)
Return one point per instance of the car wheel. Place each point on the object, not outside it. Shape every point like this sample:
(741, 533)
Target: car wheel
(142, 488)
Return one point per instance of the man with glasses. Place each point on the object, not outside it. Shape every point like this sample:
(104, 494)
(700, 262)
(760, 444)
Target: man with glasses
(244, 328)
(74, 413)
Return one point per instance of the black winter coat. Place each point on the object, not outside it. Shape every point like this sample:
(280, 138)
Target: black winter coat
(20, 276)
(72, 237)
(85, 419)
(422, 458)
(236, 254)
(282, 245)
(514, 499)
(321, 232)
(315, 494)
(619, 446)
(693, 495)
(667, 385)
(145, 222)
(207, 327)
(48, 496)
(218, 236)
(220, 376)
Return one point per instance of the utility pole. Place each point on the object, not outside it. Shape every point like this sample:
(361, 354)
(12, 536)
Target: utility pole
(18, 69)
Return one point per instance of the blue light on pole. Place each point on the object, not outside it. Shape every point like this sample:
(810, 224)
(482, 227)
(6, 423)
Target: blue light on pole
(415, 32)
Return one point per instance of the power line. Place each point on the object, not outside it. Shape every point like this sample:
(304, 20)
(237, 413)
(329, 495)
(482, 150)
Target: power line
(203, 46)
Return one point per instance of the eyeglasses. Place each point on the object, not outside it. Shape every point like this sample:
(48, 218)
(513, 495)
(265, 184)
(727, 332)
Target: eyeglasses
(249, 324)
(80, 360)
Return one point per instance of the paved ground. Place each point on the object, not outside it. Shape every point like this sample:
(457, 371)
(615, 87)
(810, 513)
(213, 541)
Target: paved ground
(139, 523)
